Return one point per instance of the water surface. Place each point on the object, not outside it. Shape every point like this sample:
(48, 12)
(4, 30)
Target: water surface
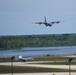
(40, 51)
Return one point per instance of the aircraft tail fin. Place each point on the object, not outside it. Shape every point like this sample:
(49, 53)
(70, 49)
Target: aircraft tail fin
(45, 18)
(20, 57)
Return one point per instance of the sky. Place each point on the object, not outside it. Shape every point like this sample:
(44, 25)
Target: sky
(18, 17)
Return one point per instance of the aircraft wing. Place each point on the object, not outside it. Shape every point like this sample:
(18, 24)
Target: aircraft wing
(27, 59)
(39, 23)
(55, 22)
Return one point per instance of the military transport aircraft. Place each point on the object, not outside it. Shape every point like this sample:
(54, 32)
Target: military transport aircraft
(20, 57)
(46, 23)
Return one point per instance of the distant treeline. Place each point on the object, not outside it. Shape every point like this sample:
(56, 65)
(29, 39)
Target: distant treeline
(13, 42)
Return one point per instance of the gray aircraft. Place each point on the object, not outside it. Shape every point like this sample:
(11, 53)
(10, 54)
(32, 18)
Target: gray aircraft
(46, 23)
(20, 57)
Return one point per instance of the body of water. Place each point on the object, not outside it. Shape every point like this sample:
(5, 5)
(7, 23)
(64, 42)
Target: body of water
(40, 51)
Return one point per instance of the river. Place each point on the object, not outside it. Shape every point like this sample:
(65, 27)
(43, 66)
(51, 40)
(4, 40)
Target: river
(40, 51)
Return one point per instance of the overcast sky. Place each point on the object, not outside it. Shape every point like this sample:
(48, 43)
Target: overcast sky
(17, 17)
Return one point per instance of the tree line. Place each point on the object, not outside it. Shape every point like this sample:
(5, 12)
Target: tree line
(13, 42)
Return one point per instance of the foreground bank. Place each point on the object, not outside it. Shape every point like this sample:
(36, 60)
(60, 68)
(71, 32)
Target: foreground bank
(50, 73)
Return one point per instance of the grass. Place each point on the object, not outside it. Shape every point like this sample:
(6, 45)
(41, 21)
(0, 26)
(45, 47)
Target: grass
(42, 58)
(53, 58)
(7, 60)
(20, 69)
(24, 69)
(57, 63)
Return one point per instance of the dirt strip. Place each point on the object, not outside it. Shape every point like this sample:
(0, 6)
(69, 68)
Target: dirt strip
(50, 73)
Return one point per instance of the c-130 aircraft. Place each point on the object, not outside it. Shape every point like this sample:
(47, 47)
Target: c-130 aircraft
(46, 23)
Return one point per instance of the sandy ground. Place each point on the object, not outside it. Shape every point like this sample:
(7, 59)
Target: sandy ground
(73, 67)
(58, 73)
